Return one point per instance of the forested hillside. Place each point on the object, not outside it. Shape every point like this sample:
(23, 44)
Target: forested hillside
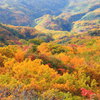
(49, 49)
(23, 12)
(36, 70)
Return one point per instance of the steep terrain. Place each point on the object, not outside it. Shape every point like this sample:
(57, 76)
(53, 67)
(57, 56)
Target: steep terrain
(23, 12)
(74, 12)
(10, 35)
(58, 57)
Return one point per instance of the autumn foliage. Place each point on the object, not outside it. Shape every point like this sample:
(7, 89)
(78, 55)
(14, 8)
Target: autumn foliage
(51, 71)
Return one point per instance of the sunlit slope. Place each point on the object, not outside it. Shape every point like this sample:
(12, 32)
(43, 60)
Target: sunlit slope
(23, 12)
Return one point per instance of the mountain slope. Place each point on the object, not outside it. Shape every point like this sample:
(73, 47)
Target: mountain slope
(92, 15)
(23, 12)
(10, 34)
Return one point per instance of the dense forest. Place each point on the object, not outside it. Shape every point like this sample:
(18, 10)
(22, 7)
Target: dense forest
(49, 52)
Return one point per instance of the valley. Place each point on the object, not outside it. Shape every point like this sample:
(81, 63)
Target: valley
(49, 49)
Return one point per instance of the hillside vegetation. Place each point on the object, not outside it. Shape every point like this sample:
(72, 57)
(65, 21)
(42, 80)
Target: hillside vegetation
(23, 12)
(39, 70)
(49, 49)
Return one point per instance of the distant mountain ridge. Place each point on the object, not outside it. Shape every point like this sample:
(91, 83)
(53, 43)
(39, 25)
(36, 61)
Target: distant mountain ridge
(23, 12)
(49, 19)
